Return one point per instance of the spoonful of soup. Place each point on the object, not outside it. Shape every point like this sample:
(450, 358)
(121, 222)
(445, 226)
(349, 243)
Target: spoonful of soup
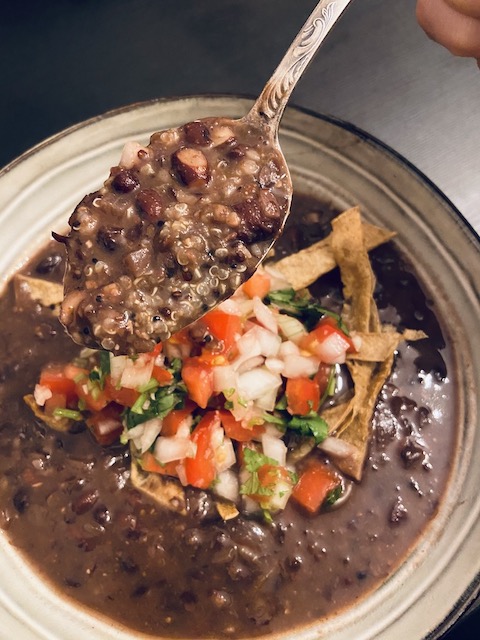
(182, 222)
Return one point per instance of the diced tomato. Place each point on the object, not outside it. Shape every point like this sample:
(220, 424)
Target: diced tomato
(224, 327)
(303, 396)
(174, 419)
(161, 375)
(57, 401)
(200, 470)
(326, 330)
(93, 396)
(157, 350)
(275, 480)
(106, 425)
(198, 378)
(55, 378)
(314, 485)
(181, 337)
(124, 396)
(235, 430)
(150, 463)
(257, 285)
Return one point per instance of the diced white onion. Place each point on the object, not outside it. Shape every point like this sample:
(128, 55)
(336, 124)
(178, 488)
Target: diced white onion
(288, 348)
(224, 378)
(278, 501)
(137, 372)
(249, 345)
(227, 486)
(291, 328)
(41, 394)
(151, 429)
(275, 365)
(268, 400)
(332, 350)
(298, 366)
(265, 315)
(117, 365)
(337, 448)
(254, 384)
(274, 448)
(250, 363)
(357, 341)
(224, 455)
(173, 448)
(231, 307)
(272, 430)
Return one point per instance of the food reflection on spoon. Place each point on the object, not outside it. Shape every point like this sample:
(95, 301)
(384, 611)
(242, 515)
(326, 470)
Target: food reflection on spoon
(181, 223)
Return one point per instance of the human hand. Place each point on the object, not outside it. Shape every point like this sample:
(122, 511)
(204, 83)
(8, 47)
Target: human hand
(455, 24)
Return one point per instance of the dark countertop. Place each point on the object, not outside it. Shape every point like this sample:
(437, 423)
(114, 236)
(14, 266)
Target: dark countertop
(63, 61)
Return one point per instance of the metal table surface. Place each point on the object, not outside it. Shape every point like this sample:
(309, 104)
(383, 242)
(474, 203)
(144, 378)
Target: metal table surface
(63, 61)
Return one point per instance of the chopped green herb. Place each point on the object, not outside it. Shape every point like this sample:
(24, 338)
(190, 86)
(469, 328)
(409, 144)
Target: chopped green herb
(334, 495)
(310, 425)
(253, 461)
(228, 405)
(303, 307)
(71, 414)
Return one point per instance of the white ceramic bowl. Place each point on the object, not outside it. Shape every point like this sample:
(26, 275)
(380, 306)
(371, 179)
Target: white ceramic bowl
(338, 164)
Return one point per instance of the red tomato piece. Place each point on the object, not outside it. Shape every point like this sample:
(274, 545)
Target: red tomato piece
(123, 395)
(257, 285)
(225, 327)
(94, 397)
(200, 470)
(162, 376)
(314, 485)
(57, 401)
(150, 464)
(303, 396)
(55, 379)
(174, 419)
(198, 378)
(322, 377)
(236, 431)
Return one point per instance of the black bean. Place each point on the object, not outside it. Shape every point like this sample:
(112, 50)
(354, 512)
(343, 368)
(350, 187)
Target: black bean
(48, 264)
(196, 133)
(125, 181)
(102, 515)
(110, 237)
(128, 565)
(85, 501)
(21, 500)
(152, 204)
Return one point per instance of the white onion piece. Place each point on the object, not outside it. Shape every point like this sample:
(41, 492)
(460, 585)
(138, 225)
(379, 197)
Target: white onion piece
(337, 448)
(291, 328)
(137, 372)
(107, 425)
(274, 448)
(357, 341)
(264, 315)
(224, 378)
(272, 430)
(288, 348)
(250, 363)
(151, 429)
(182, 474)
(231, 307)
(226, 485)
(268, 400)
(333, 349)
(248, 344)
(41, 394)
(283, 490)
(224, 455)
(269, 342)
(277, 279)
(256, 383)
(298, 366)
(117, 365)
(173, 448)
(275, 365)
(184, 428)
(245, 305)
(129, 157)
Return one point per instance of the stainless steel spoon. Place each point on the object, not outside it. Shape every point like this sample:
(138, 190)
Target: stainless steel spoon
(181, 223)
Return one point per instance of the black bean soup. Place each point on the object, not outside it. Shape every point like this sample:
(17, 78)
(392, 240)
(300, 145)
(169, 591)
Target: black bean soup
(67, 503)
(177, 227)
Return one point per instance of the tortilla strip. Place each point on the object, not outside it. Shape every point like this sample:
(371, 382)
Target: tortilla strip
(303, 268)
(377, 347)
(339, 416)
(48, 294)
(58, 424)
(165, 491)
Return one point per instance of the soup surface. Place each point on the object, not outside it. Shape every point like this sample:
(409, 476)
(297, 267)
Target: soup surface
(68, 505)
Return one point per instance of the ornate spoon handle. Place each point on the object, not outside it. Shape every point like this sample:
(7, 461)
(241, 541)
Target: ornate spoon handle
(271, 103)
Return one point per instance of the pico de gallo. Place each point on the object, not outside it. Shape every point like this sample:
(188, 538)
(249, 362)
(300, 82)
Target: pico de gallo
(231, 404)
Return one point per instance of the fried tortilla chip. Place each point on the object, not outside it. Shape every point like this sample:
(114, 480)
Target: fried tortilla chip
(58, 424)
(48, 294)
(376, 347)
(165, 491)
(303, 268)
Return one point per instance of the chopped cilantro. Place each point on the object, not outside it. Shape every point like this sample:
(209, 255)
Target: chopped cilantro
(303, 307)
(311, 425)
(71, 414)
(161, 402)
(334, 495)
(253, 461)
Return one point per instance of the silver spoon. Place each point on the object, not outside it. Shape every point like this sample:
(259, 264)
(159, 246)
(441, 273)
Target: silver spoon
(181, 223)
